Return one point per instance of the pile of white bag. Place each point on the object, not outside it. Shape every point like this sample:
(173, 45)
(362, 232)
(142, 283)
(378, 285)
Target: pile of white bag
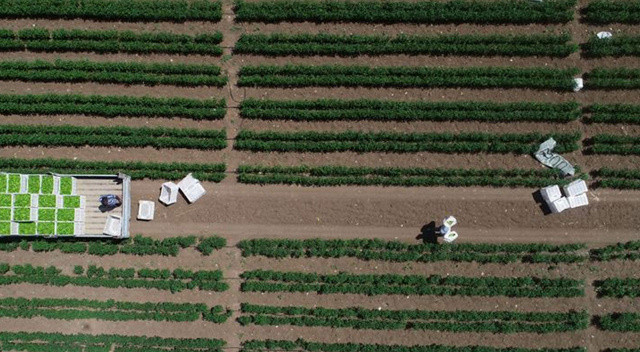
(575, 195)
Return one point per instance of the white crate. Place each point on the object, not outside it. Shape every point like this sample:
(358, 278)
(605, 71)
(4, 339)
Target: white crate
(56, 184)
(34, 214)
(578, 201)
(551, 193)
(34, 200)
(14, 227)
(575, 188)
(559, 205)
(24, 183)
(59, 201)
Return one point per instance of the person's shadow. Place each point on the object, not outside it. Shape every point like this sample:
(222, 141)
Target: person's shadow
(428, 233)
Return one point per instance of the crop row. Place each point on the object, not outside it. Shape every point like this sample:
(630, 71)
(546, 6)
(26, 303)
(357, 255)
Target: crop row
(618, 178)
(280, 44)
(614, 144)
(453, 321)
(112, 106)
(614, 113)
(462, 11)
(612, 11)
(613, 78)
(619, 287)
(136, 169)
(109, 41)
(395, 251)
(57, 342)
(112, 72)
(627, 251)
(407, 177)
(70, 309)
(475, 142)
(120, 136)
(309, 346)
(623, 322)
(160, 279)
(619, 45)
(114, 10)
(362, 109)
(374, 284)
(139, 245)
(404, 76)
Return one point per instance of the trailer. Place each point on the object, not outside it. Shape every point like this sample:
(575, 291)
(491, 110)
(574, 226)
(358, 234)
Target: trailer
(63, 205)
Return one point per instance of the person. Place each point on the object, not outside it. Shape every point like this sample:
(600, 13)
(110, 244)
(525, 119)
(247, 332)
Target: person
(110, 200)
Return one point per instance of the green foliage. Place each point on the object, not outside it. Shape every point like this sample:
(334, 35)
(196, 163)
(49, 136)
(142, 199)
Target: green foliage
(280, 44)
(363, 142)
(206, 245)
(111, 106)
(21, 214)
(120, 136)
(395, 251)
(407, 177)
(22, 200)
(309, 346)
(70, 309)
(618, 287)
(404, 76)
(137, 170)
(373, 284)
(13, 184)
(46, 228)
(454, 321)
(613, 144)
(612, 11)
(624, 322)
(614, 113)
(114, 10)
(27, 228)
(613, 78)
(174, 281)
(362, 109)
(112, 72)
(618, 45)
(110, 41)
(47, 201)
(33, 184)
(625, 251)
(463, 11)
(56, 342)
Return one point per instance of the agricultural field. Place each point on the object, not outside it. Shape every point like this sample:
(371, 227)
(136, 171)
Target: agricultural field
(330, 136)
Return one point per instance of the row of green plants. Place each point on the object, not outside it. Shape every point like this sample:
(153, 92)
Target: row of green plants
(309, 346)
(106, 136)
(391, 176)
(93, 276)
(280, 44)
(613, 144)
(504, 322)
(138, 245)
(57, 342)
(623, 322)
(363, 109)
(625, 251)
(612, 11)
(70, 309)
(405, 76)
(462, 11)
(614, 113)
(618, 178)
(136, 169)
(112, 72)
(112, 106)
(613, 78)
(363, 142)
(109, 41)
(396, 251)
(385, 284)
(619, 287)
(115, 10)
(618, 45)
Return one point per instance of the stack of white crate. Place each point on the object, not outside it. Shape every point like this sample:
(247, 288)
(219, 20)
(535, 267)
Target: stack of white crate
(575, 195)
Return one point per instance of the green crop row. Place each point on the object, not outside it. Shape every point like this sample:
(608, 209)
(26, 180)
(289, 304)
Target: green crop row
(406, 177)
(373, 284)
(614, 113)
(613, 78)
(404, 76)
(280, 44)
(623, 322)
(310, 346)
(618, 178)
(454, 321)
(112, 72)
(395, 251)
(462, 11)
(160, 279)
(57, 342)
(139, 245)
(120, 136)
(627, 251)
(137, 170)
(331, 109)
(619, 287)
(614, 144)
(109, 41)
(619, 45)
(363, 142)
(114, 10)
(612, 11)
(70, 309)
(112, 106)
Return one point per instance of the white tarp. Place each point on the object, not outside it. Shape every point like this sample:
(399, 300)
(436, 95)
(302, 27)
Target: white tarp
(546, 156)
